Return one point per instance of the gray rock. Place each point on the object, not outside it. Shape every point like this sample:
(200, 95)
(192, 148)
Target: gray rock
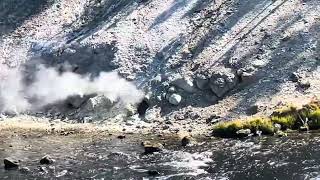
(254, 109)
(304, 128)
(175, 99)
(294, 77)
(153, 173)
(202, 82)
(213, 119)
(184, 83)
(150, 148)
(172, 89)
(277, 127)
(247, 77)
(222, 81)
(304, 84)
(243, 132)
(10, 163)
(25, 170)
(258, 133)
(281, 134)
(98, 102)
(46, 160)
(185, 141)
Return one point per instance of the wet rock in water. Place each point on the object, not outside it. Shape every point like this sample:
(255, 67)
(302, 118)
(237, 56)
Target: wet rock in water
(24, 170)
(281, 134)
(62, 173)
(150, 148)
(185, 141)
(10, 163)
(142, 107)
(43, 169)
(175, 99)
(153, 173)
(304, 128)
(222, 81)
(243, 132)
(258, 133)
(46, 160)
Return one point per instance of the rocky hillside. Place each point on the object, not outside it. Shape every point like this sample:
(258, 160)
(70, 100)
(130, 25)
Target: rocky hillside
(197, 60)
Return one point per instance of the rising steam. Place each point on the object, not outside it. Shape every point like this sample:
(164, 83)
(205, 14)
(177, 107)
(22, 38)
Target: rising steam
(49, 86)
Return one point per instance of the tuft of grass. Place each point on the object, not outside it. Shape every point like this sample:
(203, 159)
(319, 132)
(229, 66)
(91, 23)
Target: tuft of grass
(229, 128)
(314, 119)
(286, 121)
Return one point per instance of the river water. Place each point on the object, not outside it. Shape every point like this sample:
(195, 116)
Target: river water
(294, 157)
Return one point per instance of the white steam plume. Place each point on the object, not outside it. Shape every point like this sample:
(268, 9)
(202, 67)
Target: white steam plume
(50, 86)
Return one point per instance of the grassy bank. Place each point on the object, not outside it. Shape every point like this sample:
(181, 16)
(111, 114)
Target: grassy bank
(289, 117)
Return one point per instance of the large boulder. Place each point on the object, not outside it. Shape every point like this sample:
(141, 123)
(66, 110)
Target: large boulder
(222, 81)
(184, 83)
(46, 160)
(202, 82)
(97, 103)
(10, 163)
(150, 148)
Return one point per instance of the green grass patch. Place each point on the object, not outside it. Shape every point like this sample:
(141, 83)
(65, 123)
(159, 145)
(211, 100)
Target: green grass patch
(229, 128)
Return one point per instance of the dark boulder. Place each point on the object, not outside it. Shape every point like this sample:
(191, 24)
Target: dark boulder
(46, 160)
(150, 148)
(10, 164)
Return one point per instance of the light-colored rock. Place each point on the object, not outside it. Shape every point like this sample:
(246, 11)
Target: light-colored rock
(277, 127)
(98, 102)
(175, 99)
(243, 132)
(184, 83)
(131, 110)
(150, 115)
(172, 89)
